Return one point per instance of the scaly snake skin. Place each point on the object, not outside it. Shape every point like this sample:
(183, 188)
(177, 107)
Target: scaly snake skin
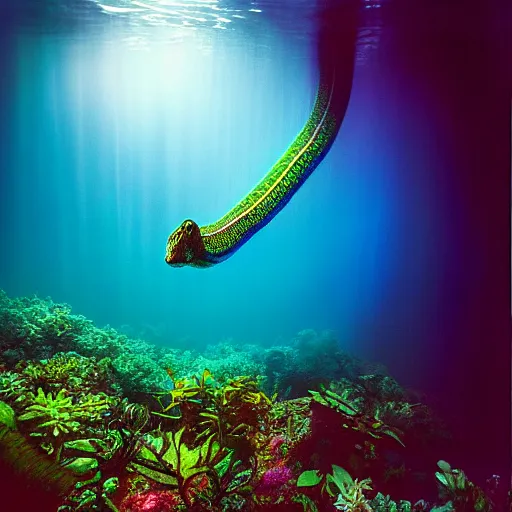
(205, 246)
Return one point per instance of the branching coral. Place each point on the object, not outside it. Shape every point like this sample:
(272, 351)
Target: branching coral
(75, 372)
(34, 328)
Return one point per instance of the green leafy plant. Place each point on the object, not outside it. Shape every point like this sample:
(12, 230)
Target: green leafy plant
(235, 413)
(454, 486)
(351, 497)
(69, 370)
(204, 472)
(339, 483)
(7, 416)
(353, 419)
(55, 417)
(57, 413)
(12, 385)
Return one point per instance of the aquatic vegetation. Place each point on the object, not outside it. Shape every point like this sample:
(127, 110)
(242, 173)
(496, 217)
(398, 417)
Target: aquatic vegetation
(32, 328)
(53, 416)
(16, 451)
(226, 360)
(37, 329)
(353, 419)
(7, 416)
(88, 499)
(349, 493)
(137, 373)
(205, 473)
(147, 427)
(378, 396)
(352, 498)
(381, 503)
(455, 487)
(77, 373)
(185, 392)
(291, 420)
(53, 399)
(55, 413)
(67, 455)
(12, 385)
(235, 413)
(103, 461)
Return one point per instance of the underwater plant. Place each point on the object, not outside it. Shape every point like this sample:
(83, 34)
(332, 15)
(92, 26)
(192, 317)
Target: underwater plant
(455, 487)
(12, 385)
(351, 497)
(235, 413)
(53, 416)
(203, 475)
(37, 329)
(381, 503)
(77, 373)
(102, 461)
(349, 493)
(56, 414)
(119, 435)
(353, 419)
(22, 457)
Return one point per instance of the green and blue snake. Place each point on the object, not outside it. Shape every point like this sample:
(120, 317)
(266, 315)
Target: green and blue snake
(208, 245)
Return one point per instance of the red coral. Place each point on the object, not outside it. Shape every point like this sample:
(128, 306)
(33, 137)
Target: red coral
(151, 501)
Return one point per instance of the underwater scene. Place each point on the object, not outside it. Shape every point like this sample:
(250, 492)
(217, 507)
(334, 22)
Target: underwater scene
(252, 256)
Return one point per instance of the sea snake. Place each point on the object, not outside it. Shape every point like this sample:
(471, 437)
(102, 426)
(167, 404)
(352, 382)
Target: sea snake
(205, 246)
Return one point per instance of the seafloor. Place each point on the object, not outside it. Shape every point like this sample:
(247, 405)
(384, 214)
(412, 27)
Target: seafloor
(91, 419)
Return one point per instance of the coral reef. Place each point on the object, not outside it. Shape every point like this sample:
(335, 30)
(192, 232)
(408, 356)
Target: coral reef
(106, 422)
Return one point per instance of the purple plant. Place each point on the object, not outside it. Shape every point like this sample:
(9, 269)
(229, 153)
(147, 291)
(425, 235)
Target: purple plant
(274, 478)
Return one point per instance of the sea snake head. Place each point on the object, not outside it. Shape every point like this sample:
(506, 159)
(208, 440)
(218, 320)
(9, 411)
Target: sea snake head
(185, 246)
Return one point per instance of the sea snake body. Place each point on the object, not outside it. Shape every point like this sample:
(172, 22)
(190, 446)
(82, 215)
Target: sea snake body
(205, 246)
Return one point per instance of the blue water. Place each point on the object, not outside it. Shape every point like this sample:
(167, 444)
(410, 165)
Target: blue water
(117, 126)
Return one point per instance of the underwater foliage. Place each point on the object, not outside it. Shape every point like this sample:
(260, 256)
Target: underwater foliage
(37, 329)
(110, 423)
(455, 487)
(16, 451)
